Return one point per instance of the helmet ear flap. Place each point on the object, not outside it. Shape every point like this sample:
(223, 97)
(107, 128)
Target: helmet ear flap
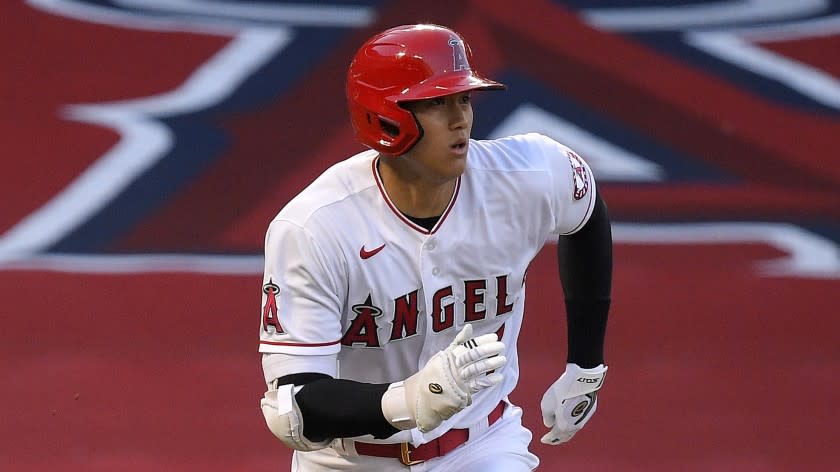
(389, 127)
(382, 124)
(397, 136)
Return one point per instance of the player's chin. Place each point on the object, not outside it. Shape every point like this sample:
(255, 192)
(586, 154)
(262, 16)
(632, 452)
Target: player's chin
(456, 167)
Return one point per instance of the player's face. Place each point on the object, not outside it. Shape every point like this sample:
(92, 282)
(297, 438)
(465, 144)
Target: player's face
(441, 154)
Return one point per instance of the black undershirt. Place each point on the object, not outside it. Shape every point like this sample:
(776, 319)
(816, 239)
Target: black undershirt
(427, 223)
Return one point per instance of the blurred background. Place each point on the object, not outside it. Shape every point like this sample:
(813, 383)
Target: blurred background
(148, 143)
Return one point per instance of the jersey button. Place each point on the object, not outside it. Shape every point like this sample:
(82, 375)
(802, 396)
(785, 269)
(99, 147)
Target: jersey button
(435, 271)
(430, 247)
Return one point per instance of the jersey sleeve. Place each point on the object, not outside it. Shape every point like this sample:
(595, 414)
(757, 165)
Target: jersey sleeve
(301, 309)
(276, 365)
(572, 187)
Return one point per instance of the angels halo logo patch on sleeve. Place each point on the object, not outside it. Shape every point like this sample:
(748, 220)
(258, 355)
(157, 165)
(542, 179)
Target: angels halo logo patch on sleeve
(579, 175)
(270, 318)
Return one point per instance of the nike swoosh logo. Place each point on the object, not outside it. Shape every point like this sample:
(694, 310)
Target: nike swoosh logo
(366, 254)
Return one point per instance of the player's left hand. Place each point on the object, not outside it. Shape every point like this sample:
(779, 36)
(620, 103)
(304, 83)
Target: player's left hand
(570, 402)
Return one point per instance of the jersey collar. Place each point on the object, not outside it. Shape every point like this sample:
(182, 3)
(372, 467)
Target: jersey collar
(398, 213)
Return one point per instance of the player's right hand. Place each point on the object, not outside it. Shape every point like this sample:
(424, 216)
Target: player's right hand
(445, 385)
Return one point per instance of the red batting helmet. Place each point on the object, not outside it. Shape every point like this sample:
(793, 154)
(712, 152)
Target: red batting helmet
(402, 64)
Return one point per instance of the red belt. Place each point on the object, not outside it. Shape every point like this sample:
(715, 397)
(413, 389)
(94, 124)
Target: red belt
(410, 455)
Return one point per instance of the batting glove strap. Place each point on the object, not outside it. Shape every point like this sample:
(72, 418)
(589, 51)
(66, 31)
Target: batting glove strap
(570, 402)
(396, 408)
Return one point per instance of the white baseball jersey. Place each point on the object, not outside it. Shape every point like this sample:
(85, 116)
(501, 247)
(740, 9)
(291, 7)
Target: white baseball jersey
(353, 289)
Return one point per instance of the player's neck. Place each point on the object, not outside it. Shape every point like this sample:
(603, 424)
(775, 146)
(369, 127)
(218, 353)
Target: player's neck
(412, 194)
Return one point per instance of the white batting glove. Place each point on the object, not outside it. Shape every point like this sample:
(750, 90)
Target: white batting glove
(445, 385)
(570, 402)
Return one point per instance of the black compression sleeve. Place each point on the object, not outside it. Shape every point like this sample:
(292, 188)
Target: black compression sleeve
(585, 262)
(337, 408)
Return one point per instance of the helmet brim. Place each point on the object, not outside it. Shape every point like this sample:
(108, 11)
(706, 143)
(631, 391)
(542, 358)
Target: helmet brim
(446, 85)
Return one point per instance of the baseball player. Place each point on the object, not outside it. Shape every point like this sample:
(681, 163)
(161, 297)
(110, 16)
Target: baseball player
(394, 284)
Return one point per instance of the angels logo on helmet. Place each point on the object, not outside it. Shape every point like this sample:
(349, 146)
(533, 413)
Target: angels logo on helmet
(459, 55)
